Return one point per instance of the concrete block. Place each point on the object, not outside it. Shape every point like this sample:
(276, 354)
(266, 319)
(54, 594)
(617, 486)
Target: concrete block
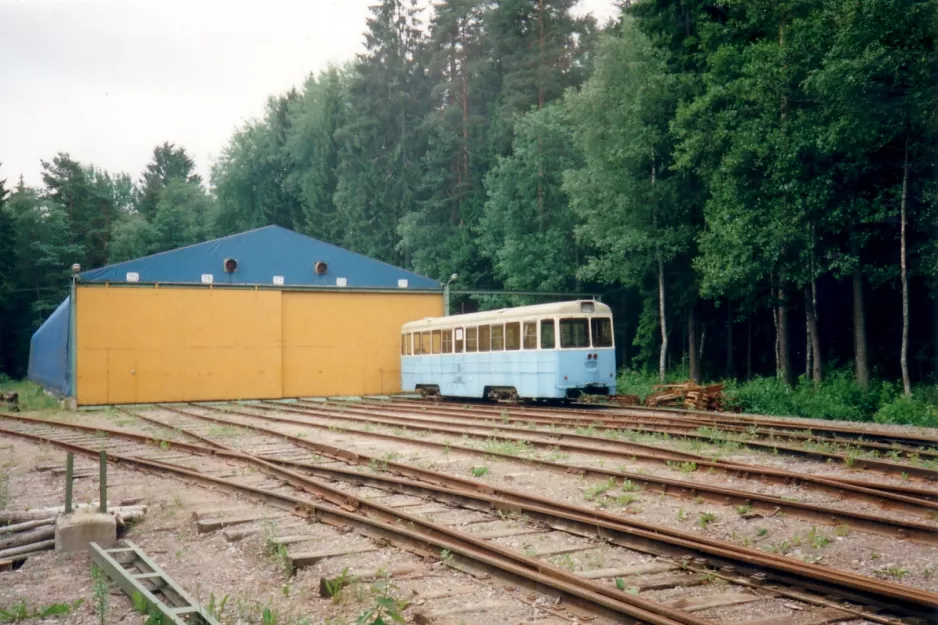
(73, 532)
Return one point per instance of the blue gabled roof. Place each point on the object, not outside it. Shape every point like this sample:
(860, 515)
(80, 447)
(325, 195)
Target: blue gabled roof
(261, 255)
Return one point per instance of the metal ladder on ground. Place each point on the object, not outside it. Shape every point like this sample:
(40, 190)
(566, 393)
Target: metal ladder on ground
(141, 578)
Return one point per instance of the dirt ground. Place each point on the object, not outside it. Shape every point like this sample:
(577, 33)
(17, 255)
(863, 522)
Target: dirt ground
(241, 579)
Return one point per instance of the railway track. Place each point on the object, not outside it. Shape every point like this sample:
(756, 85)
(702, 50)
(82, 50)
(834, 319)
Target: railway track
(780, 426)
(757, 575)
(923, 508)
(656, 421)
(628, 431)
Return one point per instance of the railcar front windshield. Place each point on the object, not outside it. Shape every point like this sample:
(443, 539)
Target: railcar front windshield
(574, 333)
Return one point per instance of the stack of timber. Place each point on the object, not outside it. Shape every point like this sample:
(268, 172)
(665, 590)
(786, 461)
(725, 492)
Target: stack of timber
(620, 400)
(687, 395)
(25, 533)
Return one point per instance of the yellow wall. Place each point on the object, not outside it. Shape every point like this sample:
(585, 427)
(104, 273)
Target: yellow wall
(144, 344)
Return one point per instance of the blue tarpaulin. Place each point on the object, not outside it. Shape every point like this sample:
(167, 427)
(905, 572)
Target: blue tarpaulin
(264, 256)
(48, 352)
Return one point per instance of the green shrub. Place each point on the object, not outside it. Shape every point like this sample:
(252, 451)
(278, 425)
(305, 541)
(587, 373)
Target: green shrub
(31, 396)
(905, 410)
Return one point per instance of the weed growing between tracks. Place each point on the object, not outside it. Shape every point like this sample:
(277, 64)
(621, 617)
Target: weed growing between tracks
(22, 612)
(101, 593)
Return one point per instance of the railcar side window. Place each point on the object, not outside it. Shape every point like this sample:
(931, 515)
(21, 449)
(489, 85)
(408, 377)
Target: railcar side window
(472, 339)
(485, 340)
(447, 341)
(602, 331)
(513, 335)
(498, 338)
(530, 335)
(574, 333)
(410, 343)
(403, 345)
(425, 343)
(437, 341)
(460, 341)
(548, 340)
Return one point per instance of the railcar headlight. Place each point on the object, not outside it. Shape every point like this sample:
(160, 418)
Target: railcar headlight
(587, 307)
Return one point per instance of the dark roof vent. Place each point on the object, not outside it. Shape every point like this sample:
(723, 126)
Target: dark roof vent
(320, 267)
(231, 265)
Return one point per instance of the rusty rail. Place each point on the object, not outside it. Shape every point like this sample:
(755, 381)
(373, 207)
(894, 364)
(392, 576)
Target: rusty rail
(870, 494)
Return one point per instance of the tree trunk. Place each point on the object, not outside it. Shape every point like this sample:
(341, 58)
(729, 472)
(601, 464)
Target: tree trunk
(662, 322)
(662, 319)
(814, 340)
(904, 354)
(729, 339)
(749, 346)
(859, 322)
(784, 358)
(27, 538)
(693, 364)
(540, 49)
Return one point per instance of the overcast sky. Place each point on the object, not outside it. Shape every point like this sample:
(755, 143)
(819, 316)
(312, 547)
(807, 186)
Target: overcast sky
(107, 80)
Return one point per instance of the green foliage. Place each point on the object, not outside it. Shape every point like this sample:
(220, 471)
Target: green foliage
(837, 397)
(479, 471)
(706, 518)
(905, 410)
(386, 609)
(22, 612)
(101, 590)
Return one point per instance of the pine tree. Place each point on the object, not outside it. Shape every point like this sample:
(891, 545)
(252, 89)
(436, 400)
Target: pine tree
(169, 163)
(380, 146)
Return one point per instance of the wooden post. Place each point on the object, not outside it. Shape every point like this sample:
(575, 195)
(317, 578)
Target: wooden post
(69, 471)
(103, 500)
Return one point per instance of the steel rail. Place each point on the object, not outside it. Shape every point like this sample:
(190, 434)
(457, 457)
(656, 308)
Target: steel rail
(677, 427)
(708, 417)
(502, 424)
(917, 532)
(844, 431)
(472, 494)
(904, 489)
(497, 560)
(887, 468)
(870, 494)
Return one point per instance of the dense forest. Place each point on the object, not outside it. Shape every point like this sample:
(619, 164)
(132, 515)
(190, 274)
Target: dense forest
(751, 184)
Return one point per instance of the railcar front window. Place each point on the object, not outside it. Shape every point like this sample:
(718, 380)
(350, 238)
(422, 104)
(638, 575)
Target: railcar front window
(602, 331)
(447, 341)
(437, 341)
(485, 338)
(574, 333)
(403, 345)
(513, 335)
(530, 335)
(410, 344)
(460, 340)
(425, 343)
(472, 339)
(548, 338)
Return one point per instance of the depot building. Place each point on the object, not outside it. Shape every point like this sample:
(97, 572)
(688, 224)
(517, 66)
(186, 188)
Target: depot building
(266, 314)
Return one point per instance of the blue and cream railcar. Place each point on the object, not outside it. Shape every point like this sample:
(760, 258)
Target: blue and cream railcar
(549, 351)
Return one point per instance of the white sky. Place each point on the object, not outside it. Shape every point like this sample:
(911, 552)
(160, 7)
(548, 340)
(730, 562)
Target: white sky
(107, 80)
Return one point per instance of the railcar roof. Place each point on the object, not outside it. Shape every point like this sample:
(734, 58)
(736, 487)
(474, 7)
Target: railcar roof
(504, 314)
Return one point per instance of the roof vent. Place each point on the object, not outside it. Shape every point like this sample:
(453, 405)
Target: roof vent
(320, 267)
(231, 265)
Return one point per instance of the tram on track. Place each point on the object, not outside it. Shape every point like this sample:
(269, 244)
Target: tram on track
(546, 351)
